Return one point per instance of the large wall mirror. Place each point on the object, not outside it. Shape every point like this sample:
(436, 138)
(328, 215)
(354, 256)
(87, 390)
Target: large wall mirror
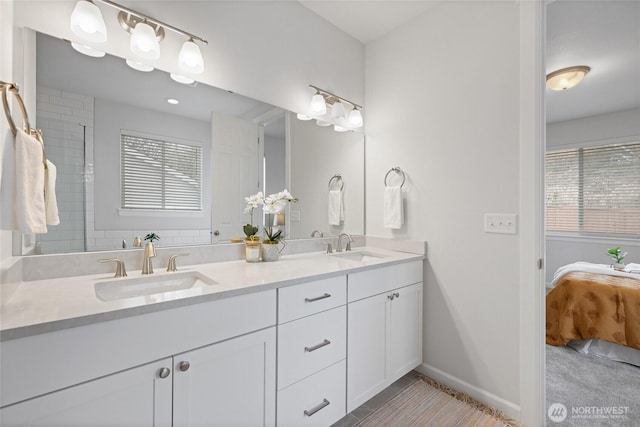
(104, 121)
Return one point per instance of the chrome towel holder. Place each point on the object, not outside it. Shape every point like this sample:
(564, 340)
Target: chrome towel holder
(335, 179)
(13, 88)
(398, 171)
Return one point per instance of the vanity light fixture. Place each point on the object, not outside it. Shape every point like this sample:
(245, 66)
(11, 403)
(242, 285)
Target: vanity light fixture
(566, 78)
(146, 33)
(86, 50)
(87, 22)
(139, 66)
(181, 79)
(318, 108)
(303, 117)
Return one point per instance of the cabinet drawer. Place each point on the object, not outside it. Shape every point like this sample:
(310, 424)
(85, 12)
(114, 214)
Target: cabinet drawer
(318, 400)
(373, 282)
(311, 344)
(303, 300)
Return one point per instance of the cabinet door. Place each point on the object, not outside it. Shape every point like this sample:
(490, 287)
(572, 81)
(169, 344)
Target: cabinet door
(366, 349)
(137, 396)
(225, 384)
(405, 330)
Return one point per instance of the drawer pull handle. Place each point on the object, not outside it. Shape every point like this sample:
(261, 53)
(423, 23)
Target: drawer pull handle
(310, 412)
(317, 298)
(317, 346)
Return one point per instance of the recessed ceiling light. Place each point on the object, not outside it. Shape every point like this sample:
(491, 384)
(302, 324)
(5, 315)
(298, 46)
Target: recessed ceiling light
(322, 123)
(182, 79)
(173, 101)
(86, 50)
(139, 66)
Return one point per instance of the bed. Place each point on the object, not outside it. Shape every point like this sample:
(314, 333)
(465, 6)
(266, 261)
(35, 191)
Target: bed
(596, 309)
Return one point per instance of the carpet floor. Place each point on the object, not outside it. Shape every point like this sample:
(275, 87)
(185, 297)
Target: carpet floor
(426, 403)
(595, 391)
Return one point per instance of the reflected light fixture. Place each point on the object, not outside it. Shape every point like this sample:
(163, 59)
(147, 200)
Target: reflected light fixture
(139, 66)
(181, 79)
(87, 22)
(173, 101)
(303, 117)
(86, 50)
(566, 78)
(342, 122)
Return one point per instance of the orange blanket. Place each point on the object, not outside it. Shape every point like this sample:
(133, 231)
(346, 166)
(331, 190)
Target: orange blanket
(587, 305)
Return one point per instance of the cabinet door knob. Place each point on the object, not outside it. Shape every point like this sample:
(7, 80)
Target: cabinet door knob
(184, 366)
(397, 295)
(164, 372)
(390, 297)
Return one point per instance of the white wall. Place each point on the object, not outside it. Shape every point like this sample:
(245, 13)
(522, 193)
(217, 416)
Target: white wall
(318, 154)
(275, 164)
(442, 97)
(617, 127)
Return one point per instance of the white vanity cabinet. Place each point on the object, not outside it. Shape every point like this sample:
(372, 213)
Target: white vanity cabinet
(311, 353)
(100, 374)
(384, 328)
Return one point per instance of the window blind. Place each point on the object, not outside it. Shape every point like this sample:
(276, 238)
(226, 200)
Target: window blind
(594, 191)
(160, 174)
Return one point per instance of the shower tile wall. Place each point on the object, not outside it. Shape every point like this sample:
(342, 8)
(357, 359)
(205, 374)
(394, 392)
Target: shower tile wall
(60, 115)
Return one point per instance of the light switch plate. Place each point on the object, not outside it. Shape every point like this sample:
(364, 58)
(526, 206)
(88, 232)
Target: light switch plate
(501, 223)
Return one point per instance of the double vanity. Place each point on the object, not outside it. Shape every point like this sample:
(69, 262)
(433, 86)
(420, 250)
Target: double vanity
(301, 341)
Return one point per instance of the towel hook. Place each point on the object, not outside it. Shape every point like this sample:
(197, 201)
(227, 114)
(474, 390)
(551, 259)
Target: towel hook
(338, 178)
(398, 171)
(13, 88)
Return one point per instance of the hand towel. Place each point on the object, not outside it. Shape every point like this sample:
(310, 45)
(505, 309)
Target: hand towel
(393, 210)
(336, 207)
(29, 206)
(50, 201)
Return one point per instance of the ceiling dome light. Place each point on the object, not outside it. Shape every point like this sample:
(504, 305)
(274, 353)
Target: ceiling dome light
(144, 41)
(318, 105)
(87, 22)
(338, 111)
(566, 78)
(181, 79)
(86, 50)
(355, 118)
(303, 117)
(190, 58)
(139, 66)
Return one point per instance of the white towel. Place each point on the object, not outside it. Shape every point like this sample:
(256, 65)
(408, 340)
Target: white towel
(50, 201)
(29, 206)
(336, 207)
(393, 210)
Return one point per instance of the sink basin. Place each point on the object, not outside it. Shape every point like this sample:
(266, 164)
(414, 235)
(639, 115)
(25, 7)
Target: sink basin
(359, 255)
(122, 288)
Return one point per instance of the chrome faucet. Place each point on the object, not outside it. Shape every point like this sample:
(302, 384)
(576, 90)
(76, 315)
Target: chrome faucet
(171, 266)
(121, 270)
(147, 262)
(349, 241)
(316, 233)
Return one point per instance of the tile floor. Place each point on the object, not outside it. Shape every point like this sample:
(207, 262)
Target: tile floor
(364, 410)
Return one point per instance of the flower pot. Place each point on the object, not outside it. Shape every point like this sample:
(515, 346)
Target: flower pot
(271, 251)
(619, 266)
(252, 251)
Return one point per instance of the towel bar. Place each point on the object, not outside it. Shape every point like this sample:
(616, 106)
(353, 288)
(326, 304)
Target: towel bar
(398, 171)
(13, 88)
(338, 178)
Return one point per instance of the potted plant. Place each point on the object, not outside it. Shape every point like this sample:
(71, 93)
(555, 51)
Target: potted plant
(252, 240)
(617, 255)
(273, 205)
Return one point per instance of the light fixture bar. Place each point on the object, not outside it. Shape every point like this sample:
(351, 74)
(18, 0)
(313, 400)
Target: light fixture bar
(153, 21)
(326, 92)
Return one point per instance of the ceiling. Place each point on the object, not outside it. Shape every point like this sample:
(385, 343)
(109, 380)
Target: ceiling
(604, 35)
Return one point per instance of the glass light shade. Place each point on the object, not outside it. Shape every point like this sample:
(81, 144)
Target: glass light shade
(86, 50)
(566, 78)
(190, 58)
(87, 22)
(355, 118)
(337, 110)
(181, 79)
(318, 106)
(303, 117)
(144, 42)
(139, 66)
(339, 128)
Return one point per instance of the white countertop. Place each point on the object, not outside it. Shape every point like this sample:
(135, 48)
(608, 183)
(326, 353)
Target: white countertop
(39, 306)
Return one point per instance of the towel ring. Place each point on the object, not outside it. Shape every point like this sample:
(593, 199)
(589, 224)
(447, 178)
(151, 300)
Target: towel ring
(13, 88)
(396, 170)
(338, 178)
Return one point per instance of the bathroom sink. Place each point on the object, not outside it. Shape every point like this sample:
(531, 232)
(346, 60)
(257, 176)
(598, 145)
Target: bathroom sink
(149, 285)
(359, 255)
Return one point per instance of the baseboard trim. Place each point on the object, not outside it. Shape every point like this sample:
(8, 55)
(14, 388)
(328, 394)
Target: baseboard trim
(508, 408)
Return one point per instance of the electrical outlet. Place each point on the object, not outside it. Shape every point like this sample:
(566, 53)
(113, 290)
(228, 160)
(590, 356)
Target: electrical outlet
(295, 216)
(501, 223)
